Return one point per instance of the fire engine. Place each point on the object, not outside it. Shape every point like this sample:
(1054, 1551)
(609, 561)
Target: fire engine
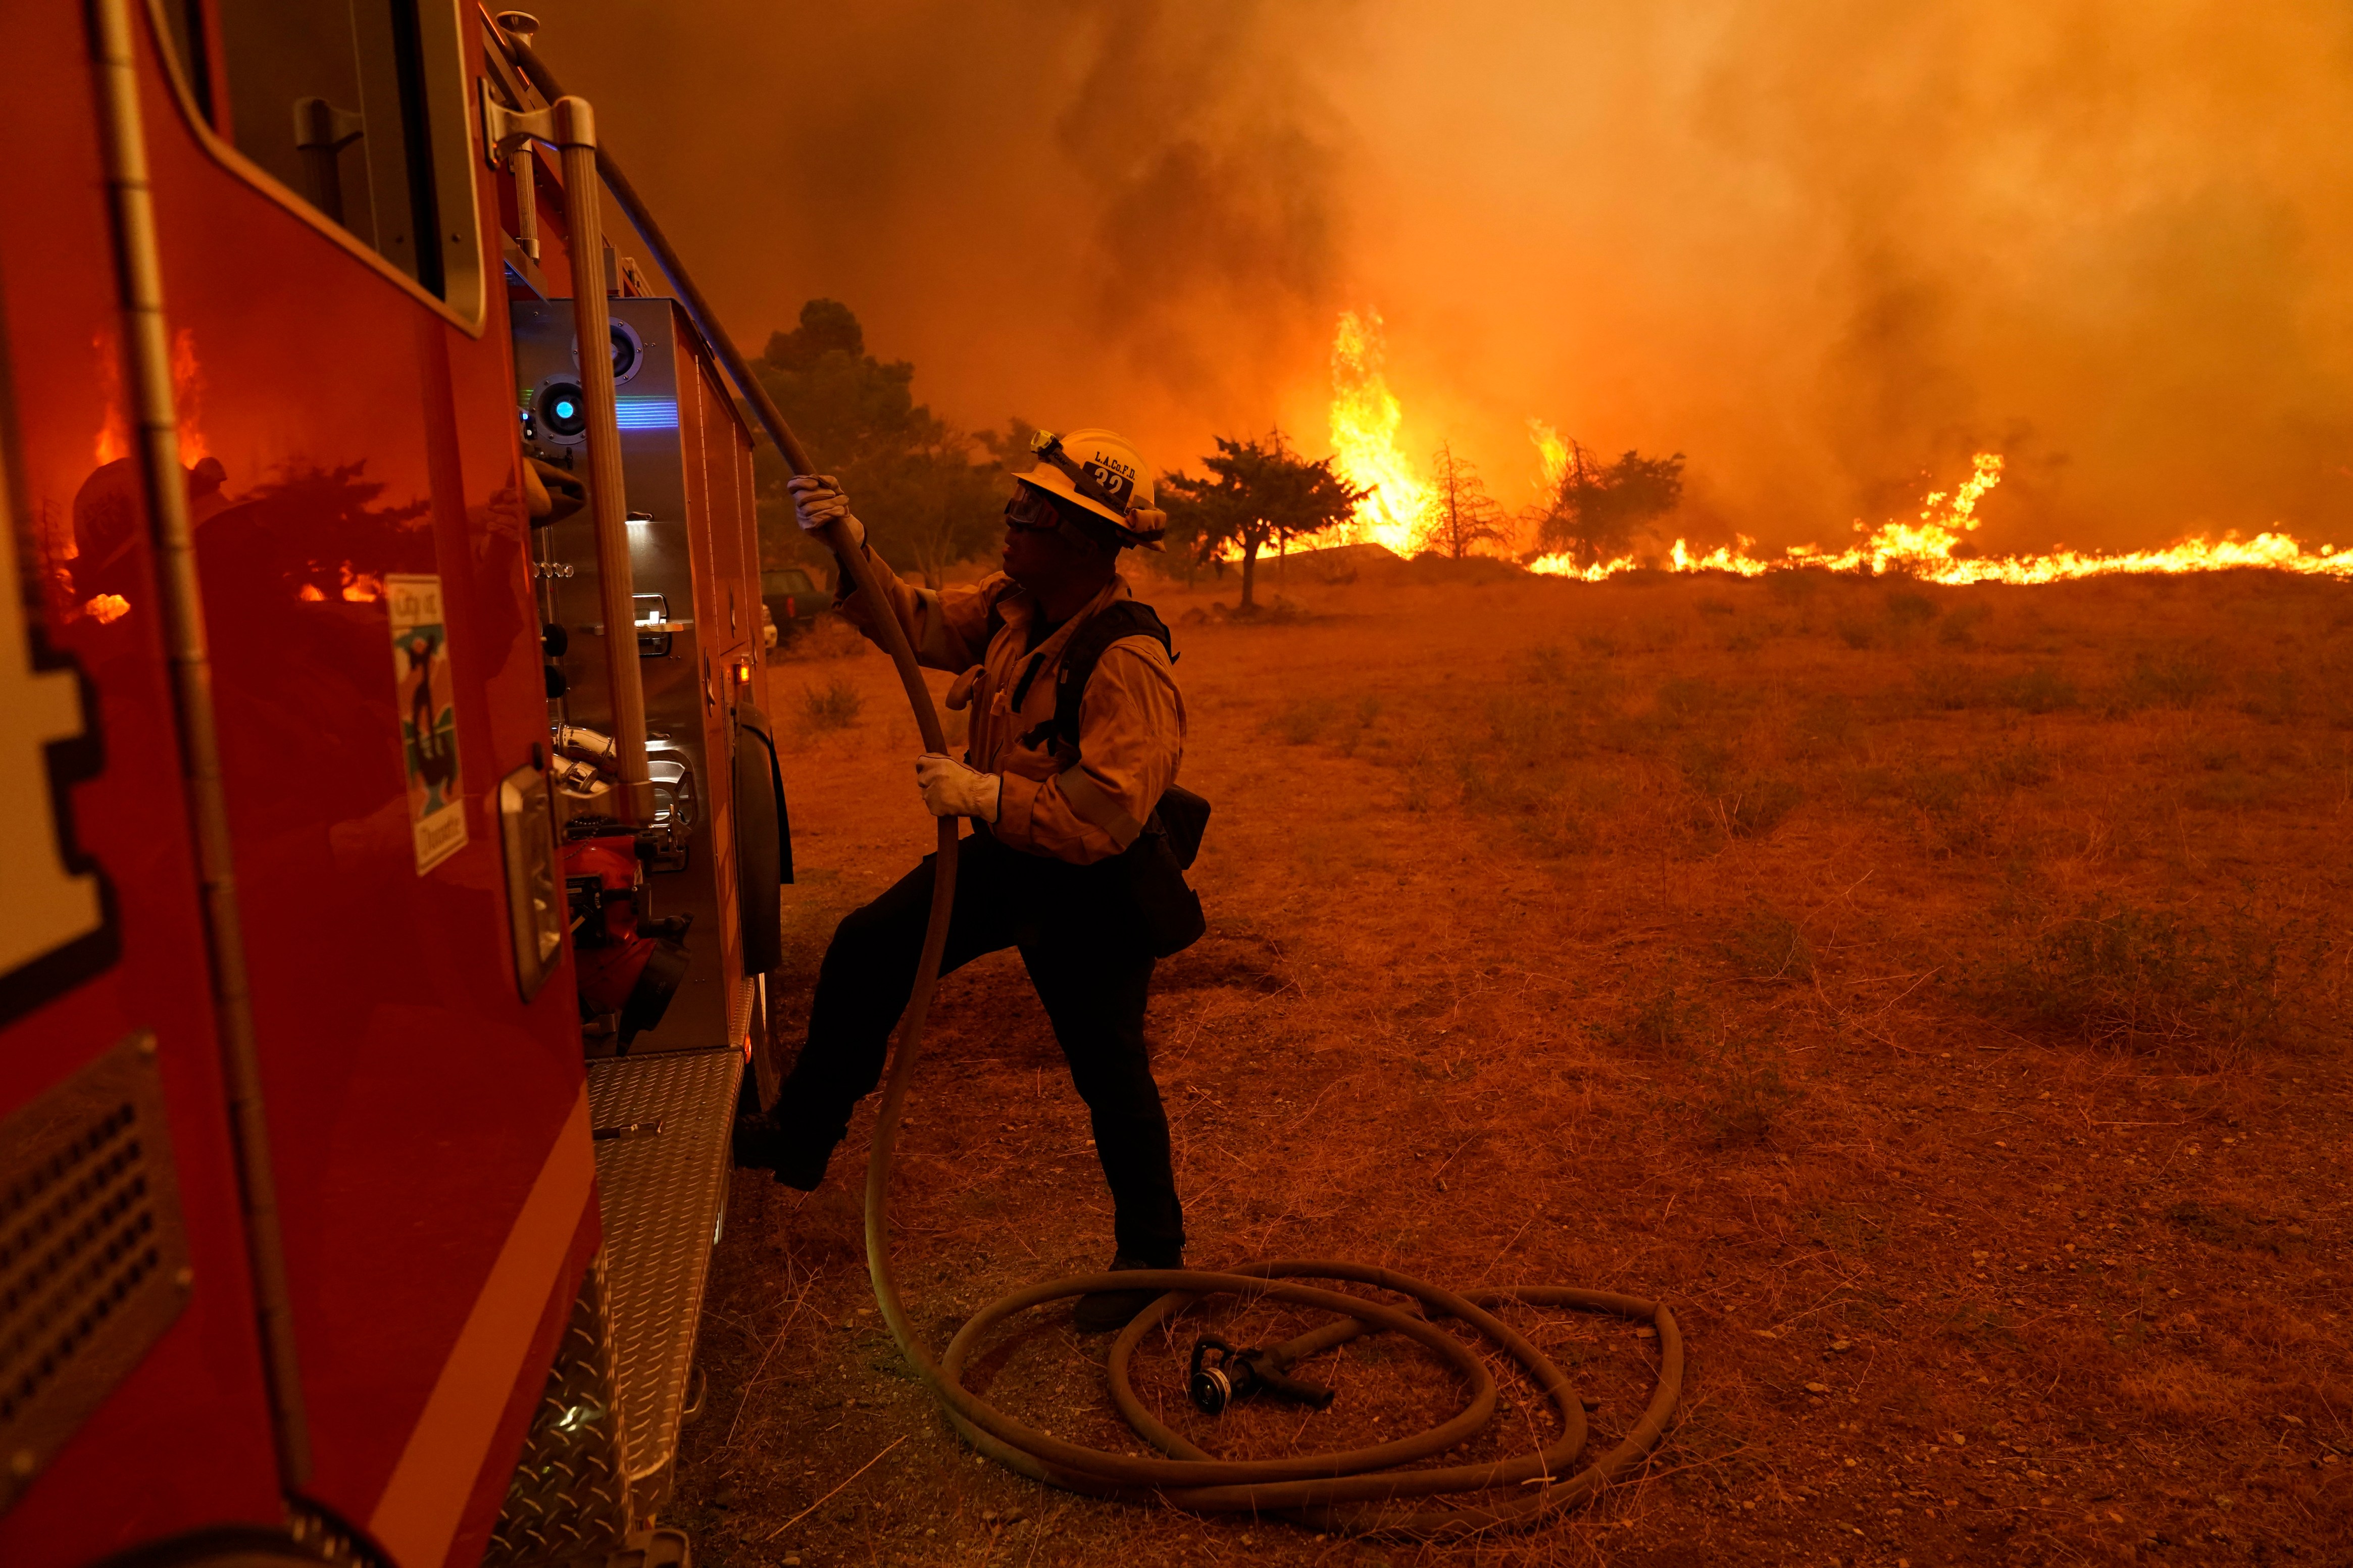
(400, 831)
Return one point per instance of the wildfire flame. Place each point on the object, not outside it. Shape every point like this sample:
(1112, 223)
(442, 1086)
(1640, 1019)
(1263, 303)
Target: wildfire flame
(1365, 416)
(1365, 419)
(1925, 549)
(1552, 454)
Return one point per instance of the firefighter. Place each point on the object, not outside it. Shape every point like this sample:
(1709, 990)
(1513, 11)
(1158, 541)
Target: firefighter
(1036, 871)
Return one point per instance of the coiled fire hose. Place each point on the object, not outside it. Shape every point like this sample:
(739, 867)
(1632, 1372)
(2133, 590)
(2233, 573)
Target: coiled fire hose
(1353, 1491)
(1358, 1490)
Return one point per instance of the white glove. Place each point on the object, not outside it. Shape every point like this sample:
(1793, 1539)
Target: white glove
(818, 500)
(952, 789)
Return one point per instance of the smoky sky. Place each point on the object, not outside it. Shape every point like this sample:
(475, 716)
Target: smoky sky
(1827, 249)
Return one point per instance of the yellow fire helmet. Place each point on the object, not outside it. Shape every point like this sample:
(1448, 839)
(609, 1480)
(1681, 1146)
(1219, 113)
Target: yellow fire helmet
(1103, 473)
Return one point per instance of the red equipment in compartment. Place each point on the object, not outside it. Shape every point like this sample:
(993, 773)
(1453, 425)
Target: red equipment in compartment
(629, 969)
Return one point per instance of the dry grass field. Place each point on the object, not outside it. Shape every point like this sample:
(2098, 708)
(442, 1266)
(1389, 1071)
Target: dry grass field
(1937, 995)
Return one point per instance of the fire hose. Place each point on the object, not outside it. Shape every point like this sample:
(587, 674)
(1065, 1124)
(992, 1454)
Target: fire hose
(1355, 1490)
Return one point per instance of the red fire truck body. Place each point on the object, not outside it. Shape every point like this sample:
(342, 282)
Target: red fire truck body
(349, 1364)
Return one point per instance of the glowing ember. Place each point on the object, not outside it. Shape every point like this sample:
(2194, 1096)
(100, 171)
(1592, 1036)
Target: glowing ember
(106, 608)
(1364, 418)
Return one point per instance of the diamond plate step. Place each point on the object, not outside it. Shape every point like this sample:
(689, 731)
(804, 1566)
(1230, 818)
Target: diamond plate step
(568, 1501)
(661, 1194)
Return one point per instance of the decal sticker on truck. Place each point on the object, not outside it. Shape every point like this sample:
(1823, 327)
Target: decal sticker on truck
(428, 717)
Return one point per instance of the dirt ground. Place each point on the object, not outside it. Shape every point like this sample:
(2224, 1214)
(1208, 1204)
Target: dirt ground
(1937, 995)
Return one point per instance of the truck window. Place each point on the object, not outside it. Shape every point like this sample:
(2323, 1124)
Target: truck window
(329, 98)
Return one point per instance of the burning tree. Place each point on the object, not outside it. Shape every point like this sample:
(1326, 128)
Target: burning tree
(1258, 493)
(1460, 511)
(1598, 508)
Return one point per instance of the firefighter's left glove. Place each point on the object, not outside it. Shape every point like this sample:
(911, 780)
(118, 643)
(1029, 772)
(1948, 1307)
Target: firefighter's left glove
(952, 789)
(818, 500)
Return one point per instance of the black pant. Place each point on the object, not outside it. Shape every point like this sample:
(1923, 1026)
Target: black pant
(1091, 973)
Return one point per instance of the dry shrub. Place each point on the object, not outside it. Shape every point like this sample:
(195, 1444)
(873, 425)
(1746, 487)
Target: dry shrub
(829, 637)
(2178, 1389)
(1950, 685)
(835, 706)
(2117, 976)
(2040, 689)
(1281, 612)
(1909, 607)
(2022, 766)
(2170, 677)
(1300, 723)
(1856, 632)
(1960, 628)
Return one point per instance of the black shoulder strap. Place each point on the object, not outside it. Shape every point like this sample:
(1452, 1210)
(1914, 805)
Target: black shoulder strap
(1120, 618)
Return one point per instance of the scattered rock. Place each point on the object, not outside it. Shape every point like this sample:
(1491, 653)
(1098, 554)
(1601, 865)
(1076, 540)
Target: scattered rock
(1839, 1347)
(1820, 1388)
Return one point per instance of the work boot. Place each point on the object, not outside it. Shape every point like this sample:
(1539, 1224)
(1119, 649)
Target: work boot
(1101, 1311)
(794, 1157)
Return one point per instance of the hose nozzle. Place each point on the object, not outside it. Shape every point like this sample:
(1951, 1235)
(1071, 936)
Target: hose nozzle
(1237, 1375)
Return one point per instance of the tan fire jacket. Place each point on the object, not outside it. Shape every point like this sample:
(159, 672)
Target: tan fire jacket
(1131, 719)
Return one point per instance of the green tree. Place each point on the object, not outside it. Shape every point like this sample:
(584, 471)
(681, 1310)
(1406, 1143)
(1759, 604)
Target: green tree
(942, 506)
(1460, 513)
(927, 495)
(1258, 493)
(1598, 508)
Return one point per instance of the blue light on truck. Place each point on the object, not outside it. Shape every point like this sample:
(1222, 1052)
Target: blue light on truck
(646, 413)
